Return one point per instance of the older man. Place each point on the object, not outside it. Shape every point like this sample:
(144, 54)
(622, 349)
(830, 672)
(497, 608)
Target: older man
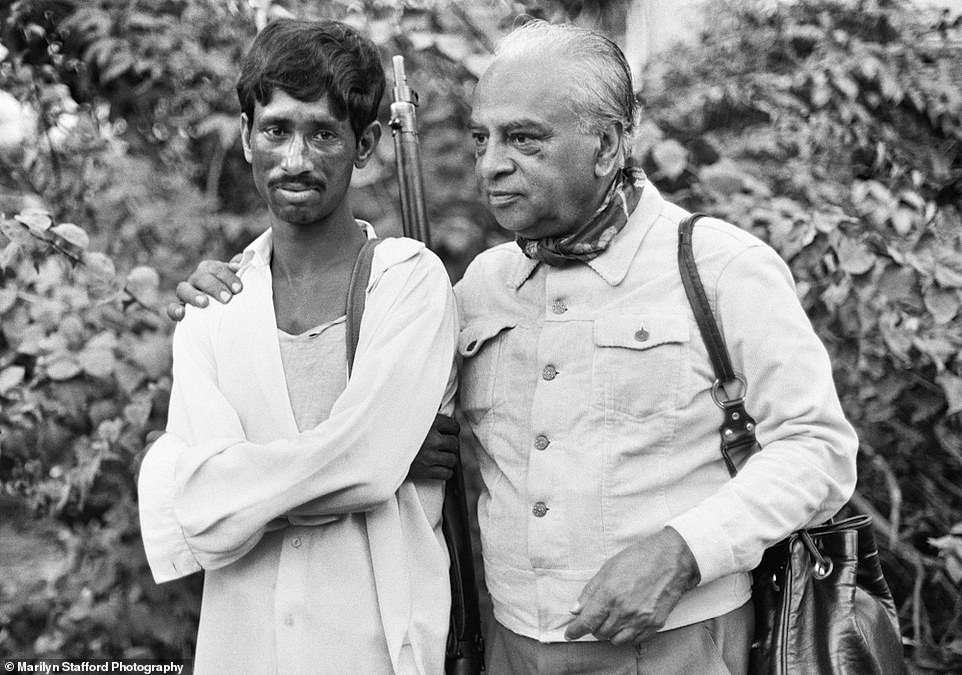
(614, 540)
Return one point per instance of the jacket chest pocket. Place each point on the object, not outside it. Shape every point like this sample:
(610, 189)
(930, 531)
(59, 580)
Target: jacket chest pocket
(480, 344)
(639, 362)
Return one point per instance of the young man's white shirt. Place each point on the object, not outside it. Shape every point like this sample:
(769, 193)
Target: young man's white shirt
(233, 488)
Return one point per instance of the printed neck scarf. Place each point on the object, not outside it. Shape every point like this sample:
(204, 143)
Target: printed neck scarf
(591, 239)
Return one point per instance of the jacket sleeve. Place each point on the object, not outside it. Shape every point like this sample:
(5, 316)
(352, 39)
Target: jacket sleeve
(805, 471)
(224, 490)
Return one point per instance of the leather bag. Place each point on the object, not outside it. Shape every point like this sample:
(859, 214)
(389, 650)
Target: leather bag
(822, 606)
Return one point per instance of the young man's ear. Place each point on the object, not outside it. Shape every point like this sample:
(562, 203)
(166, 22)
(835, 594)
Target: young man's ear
(608, 156)
(246, 136)
(366, 144)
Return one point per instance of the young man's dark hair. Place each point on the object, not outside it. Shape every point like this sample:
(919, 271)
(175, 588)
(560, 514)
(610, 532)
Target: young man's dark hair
(308, 59)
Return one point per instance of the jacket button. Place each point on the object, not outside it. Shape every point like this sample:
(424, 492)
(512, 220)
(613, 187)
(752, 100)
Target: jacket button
(559, 307)
(296, 542)
(539, 510)
(642, 334)
(541, 442)
(549, 372)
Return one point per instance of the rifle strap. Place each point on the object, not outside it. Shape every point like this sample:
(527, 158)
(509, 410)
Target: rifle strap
(356, 296)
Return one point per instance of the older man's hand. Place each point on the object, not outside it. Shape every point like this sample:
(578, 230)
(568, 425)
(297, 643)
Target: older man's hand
(633, 593)
(211, 279)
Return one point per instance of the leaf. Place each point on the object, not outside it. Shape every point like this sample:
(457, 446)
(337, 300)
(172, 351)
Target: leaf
(100, 266)
(854, 257)
(950, 550)
(947, 276)
(16, 232)
(63, 368)
(97, 362)
(671, 157)
(9, 255)
(151, 352)
(11, 377)
(897, 283)
(952, 386)
(942, 304)
(724, 177)
(102, 280)
(144, 282)
(138, 412)
(71, 238)
(119, 64)
(902, 219)
(8, 298)
(37, 220)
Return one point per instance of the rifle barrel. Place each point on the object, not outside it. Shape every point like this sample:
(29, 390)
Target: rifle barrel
(404, 127)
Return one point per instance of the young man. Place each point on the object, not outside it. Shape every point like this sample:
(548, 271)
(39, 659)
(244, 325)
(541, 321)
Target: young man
(614, 539)
(279, 475)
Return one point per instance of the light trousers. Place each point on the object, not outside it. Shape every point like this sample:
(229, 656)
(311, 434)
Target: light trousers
(718, 646)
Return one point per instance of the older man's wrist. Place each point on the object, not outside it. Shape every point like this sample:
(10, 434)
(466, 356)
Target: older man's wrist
(690, 573)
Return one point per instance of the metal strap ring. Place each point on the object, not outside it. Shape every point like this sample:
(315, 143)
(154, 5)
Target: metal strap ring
(716, 387)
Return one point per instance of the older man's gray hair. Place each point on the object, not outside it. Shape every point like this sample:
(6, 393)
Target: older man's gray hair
(602, 90)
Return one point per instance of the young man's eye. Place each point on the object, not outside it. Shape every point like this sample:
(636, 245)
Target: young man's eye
(325, 136)
(272, 131)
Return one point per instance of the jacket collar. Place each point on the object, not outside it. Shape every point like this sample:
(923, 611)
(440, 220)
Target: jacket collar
(613, 264)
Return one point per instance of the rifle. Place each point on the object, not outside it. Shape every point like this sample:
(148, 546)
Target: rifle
(464, 654)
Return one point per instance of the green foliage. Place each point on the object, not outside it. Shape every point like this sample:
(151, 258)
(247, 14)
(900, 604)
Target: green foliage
(834, 131)
(830, 129)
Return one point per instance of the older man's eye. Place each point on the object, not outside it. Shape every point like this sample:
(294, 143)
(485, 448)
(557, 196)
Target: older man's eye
(524, 142)
(479, 138)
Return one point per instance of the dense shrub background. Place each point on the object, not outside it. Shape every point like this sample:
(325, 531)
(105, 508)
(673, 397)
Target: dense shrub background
(831, 129)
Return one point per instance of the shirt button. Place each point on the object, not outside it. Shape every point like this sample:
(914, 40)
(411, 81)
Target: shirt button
(541, 442)
(539, 510)
(549, 372)
(559, 307)
(288, 620)
(296, 542)
(642, 334)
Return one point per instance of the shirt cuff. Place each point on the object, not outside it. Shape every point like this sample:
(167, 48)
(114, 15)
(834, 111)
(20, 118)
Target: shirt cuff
(705, 537)
(168, 553)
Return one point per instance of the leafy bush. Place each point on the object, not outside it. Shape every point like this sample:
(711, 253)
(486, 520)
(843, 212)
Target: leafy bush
(834, 131)
(830, 129)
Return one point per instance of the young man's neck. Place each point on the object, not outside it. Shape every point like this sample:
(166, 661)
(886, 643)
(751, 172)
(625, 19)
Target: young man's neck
(303, 249)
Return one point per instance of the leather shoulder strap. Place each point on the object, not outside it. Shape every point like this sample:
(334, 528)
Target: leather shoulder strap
(737, 431)
(356, 297)
(699, 301)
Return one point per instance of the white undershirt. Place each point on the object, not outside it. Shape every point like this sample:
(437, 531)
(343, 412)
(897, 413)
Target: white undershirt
(314, 367)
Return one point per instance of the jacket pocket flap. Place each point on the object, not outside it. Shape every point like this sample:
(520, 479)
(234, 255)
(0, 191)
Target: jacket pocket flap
(641, 331)
(474, 335)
